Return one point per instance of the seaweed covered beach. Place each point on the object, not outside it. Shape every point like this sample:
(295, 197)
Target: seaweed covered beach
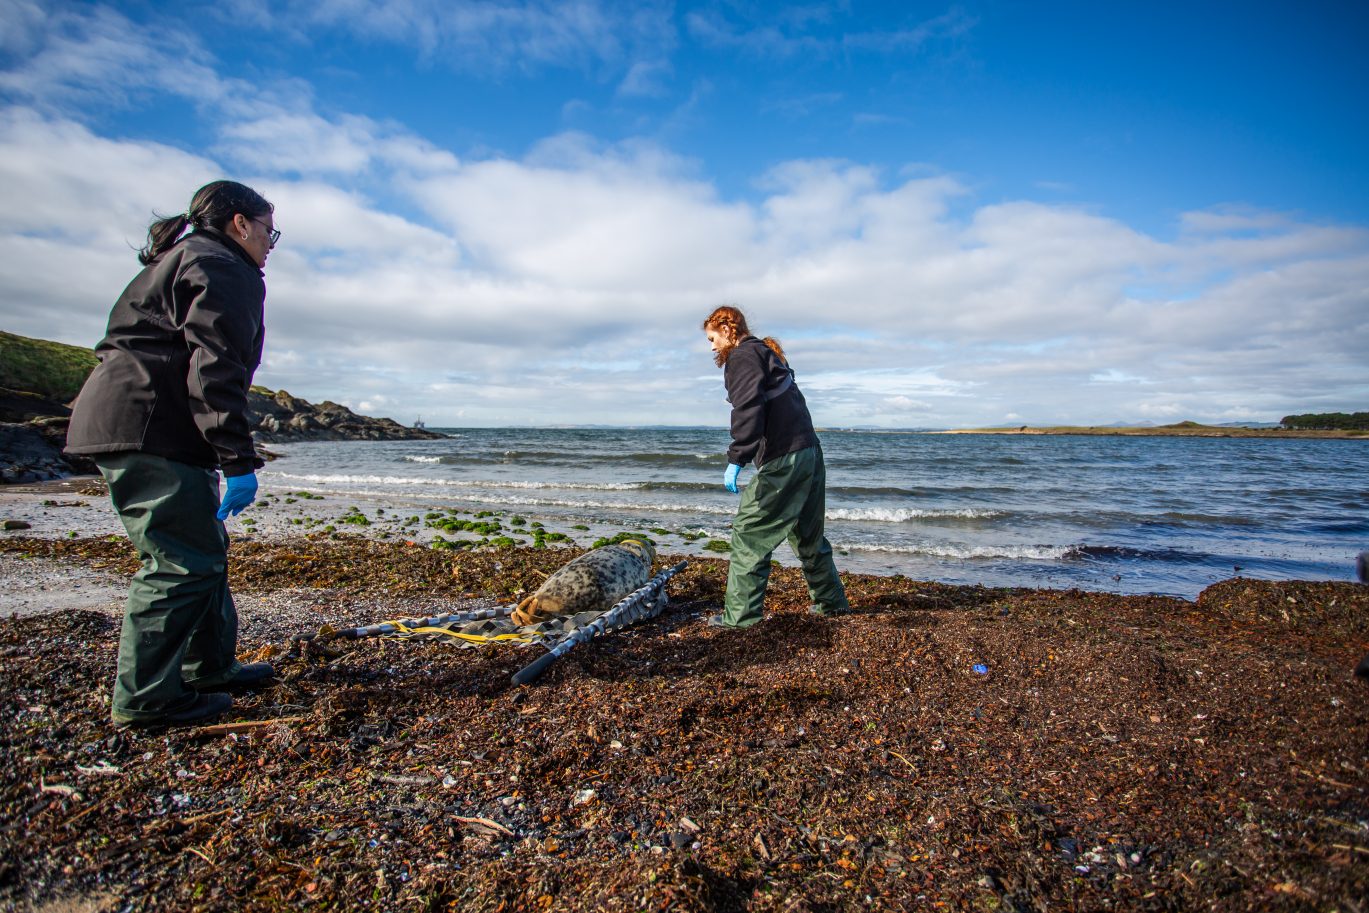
(943, 747)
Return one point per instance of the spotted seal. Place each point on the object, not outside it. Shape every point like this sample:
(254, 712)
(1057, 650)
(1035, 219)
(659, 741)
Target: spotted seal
(595, 581)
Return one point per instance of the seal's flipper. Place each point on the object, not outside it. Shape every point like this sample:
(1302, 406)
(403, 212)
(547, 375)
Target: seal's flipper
(524, 614)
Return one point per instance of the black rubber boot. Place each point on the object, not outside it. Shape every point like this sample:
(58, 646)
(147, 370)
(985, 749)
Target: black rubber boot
(205, 708)
(251, 675)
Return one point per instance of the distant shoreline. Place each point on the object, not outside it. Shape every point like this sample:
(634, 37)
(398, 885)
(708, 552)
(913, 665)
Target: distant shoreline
(1184, 429)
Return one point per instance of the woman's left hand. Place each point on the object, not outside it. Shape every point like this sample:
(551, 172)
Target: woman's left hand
(730, 477)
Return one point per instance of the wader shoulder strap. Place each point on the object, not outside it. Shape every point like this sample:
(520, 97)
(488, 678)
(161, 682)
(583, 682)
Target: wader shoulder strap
(781, 387)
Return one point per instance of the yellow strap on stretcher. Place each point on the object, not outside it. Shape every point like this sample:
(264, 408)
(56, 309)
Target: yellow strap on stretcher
(403, 630)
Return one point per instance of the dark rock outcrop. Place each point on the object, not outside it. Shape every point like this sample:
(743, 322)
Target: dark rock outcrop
(20, 406)
(32, 452)
(38, 376)
(277, 417)
(33, 431)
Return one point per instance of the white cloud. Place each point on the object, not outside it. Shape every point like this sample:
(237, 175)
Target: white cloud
(1229, 219)
(792, 33)
(97, 56)
(1114, 376)
(907, 404)
(577, 219)
(802, 106)
(23, 26)
(645, 78)
(341, 232)
(1161, 410)
(77, 209)
(303, 143)
(492, 37)
(59, 176)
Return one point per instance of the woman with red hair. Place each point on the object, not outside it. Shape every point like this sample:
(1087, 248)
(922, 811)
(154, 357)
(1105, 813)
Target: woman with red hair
(787, 497)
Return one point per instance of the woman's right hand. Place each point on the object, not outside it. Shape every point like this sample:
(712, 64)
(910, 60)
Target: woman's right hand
(240, 492)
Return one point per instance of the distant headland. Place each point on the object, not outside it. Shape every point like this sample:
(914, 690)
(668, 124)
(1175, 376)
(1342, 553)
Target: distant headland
(1182, 429)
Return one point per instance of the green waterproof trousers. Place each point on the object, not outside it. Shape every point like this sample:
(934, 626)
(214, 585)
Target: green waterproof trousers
(180, 629)
(786, 499)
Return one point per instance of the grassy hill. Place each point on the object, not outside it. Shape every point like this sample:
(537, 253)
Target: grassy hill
(50, 369)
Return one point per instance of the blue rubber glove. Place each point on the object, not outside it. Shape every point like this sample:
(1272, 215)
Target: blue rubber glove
(730, 477)
(241, 492)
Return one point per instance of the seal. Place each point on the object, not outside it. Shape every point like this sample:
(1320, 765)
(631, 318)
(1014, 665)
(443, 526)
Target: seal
(596, 581)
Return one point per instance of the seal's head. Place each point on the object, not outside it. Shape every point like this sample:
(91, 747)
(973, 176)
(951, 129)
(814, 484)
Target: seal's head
(642, 549)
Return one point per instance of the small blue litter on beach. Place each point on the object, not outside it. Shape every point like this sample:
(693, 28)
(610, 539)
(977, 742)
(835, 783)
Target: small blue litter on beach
(981, 668)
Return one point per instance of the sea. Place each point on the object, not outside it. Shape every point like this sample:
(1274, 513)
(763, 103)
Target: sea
(1163, 515)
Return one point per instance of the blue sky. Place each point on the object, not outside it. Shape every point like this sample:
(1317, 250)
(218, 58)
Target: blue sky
(517, 213)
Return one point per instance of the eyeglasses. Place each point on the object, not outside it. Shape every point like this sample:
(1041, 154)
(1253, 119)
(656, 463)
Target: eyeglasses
(274, 233)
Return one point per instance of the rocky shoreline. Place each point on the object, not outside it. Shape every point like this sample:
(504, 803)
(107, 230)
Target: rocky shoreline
(277, 417)
(33, 431)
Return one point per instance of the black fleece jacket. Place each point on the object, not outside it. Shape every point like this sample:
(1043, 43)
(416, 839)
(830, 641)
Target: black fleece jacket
(763, 429)
(183, 342)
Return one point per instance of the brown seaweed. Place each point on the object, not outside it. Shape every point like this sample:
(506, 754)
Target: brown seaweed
(1123, 753)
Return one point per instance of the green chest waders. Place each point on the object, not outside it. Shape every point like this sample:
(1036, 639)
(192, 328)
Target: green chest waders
(180, 627)
(785, 500)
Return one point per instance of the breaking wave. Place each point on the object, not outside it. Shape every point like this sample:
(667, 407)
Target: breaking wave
(573, 458)
(422, 483)
(904, 514)
(942, 550)
(1127, 553)
(516, 501)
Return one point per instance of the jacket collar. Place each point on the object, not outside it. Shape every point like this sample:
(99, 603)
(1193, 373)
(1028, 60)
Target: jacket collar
(227, 241)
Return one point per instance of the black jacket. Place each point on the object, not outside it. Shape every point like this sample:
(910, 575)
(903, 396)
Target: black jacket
(763, 429)
(183, 342)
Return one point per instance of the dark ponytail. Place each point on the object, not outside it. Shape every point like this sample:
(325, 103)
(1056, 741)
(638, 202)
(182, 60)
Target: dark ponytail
(213, 206)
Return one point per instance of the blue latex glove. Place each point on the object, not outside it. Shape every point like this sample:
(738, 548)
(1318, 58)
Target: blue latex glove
(241, 492)
(730, 477)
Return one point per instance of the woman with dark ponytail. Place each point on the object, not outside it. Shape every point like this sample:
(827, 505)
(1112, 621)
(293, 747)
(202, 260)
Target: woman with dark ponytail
(162, 414)
(787, 497)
